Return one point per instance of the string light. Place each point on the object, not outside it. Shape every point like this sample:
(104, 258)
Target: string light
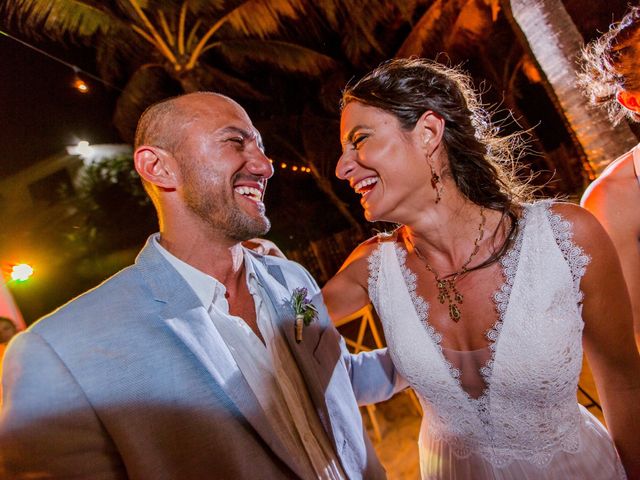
(295, 168)
(78, 83)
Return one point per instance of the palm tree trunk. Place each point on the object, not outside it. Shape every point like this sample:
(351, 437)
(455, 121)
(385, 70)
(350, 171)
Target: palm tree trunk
(549, 34)
(188, 79)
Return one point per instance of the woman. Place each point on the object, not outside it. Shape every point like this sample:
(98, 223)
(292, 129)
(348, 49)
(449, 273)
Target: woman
(612, 79)
(485, 299)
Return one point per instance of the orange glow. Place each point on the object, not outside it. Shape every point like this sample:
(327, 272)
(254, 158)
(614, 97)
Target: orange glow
(531, 71)
(80, 85)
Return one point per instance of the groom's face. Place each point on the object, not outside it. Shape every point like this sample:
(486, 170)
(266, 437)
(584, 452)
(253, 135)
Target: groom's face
(223, 168)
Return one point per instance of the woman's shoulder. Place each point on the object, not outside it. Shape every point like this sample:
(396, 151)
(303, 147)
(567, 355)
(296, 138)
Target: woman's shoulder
(580, 224)
(361, 254)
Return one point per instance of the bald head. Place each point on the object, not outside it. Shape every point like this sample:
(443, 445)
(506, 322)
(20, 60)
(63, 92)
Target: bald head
(163, 123)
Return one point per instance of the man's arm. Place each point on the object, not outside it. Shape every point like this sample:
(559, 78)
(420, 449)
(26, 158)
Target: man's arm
(48, 429)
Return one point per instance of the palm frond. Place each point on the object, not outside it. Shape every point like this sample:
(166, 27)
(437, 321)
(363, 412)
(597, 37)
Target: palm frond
(149, 84)
(58, 19)
(286, 56)
(262, 17)
(472, 26)
(120, 53)
(211, 78)
(427, 31)
(358, 21)
(206, 7)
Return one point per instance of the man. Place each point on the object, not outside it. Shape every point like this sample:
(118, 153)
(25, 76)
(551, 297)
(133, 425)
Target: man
(611, 79)
(185, 365)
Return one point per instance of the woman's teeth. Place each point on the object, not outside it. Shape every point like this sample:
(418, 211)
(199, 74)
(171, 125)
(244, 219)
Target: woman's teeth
(363, 186)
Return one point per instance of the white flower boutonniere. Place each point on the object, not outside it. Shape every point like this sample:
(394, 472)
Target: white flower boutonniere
(304, 310)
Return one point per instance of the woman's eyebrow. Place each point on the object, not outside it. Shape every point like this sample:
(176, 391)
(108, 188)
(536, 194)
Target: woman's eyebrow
(349, 136)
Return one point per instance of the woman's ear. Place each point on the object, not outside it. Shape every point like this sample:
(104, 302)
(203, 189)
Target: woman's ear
(430, 128)
(629, 101)
(155, 165)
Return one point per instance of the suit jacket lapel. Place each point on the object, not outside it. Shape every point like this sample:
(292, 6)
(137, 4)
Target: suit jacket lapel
(282, 314)
(185, 316)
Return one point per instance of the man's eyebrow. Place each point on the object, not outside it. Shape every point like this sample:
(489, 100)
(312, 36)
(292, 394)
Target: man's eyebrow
(238, 130)
(245, 134)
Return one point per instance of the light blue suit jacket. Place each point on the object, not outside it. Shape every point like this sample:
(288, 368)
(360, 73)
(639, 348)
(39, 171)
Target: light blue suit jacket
(130, 380)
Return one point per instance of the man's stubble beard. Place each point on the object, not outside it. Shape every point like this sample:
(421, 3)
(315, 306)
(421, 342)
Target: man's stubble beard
(211, 203)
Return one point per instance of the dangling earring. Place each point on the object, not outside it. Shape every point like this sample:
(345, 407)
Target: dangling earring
(436, 184)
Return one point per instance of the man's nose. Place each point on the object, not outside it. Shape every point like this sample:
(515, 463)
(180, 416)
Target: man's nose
(260, 164)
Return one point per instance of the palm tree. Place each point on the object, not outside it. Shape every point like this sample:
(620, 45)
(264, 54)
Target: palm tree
(548, 32)
(163, 47)
(160, 48)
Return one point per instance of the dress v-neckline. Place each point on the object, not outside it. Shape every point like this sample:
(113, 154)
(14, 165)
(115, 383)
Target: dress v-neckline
(502, 298)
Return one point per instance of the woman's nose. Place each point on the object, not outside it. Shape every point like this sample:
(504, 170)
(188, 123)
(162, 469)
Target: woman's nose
(345, 165)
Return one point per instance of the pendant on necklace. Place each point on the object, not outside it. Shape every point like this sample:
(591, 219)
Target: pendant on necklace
(454, 312)
(447, 289)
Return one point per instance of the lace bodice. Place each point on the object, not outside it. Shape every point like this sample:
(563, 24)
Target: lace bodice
(528, 410)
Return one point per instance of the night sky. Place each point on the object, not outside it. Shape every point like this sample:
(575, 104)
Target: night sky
(40, 111)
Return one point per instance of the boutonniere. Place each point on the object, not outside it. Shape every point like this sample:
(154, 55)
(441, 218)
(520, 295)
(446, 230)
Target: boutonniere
(304, 310)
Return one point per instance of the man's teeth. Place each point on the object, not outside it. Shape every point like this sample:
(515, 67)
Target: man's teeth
(358, 187)
(251, 192)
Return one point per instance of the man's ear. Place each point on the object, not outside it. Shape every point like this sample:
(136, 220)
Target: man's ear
(155, 165)
(629, 101)
(430, 128)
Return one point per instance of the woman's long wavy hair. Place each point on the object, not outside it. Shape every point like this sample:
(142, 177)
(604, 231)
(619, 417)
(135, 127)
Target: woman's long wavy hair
(480, 162)
(612, 63)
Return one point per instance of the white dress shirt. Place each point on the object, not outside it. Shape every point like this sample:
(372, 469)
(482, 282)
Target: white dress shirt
(269, 369)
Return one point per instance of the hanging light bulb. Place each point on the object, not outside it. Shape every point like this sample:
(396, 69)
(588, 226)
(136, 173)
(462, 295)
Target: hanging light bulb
(78, 83)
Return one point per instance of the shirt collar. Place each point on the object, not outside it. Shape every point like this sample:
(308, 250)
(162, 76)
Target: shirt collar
(205, 286)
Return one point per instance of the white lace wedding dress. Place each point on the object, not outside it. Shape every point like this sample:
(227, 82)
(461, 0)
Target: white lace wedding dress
(508, 411)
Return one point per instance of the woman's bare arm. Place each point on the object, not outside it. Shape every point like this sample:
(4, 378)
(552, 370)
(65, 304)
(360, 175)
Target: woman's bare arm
(347, 291)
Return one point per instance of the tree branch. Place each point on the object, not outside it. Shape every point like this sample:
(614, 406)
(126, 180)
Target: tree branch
(181, 22)
(159, 43)
(165, 28)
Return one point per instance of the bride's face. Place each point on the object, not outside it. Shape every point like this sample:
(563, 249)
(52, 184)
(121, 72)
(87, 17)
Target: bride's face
(383, 163)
